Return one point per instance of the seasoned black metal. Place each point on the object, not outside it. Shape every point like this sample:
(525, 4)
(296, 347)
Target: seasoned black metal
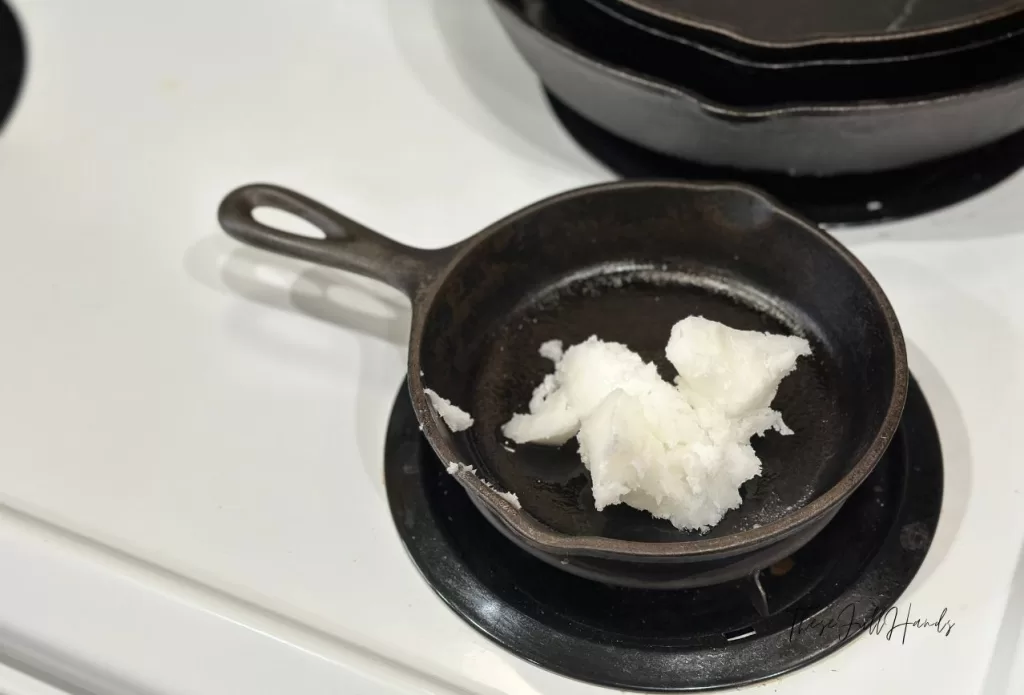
(818, 600)
(788, 24)
(738, 80)
(840, 53)
(837, 201)
(346, 245)
(625, 261)
(794, 137)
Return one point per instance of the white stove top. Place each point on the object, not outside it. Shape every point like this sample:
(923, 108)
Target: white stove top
(191, 432)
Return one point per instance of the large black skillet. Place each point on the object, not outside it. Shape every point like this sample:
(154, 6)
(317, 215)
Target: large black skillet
(625, 261)
(741, 80)
(832, 26)
(983, 104)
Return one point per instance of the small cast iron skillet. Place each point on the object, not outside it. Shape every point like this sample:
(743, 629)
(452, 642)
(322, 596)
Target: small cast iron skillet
(625, 261)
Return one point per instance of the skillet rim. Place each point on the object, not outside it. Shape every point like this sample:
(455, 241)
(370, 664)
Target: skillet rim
(546, 539)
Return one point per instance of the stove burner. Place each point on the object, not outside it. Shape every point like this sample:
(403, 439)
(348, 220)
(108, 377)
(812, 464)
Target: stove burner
(835, 201)
(12, 61)
(821, 598)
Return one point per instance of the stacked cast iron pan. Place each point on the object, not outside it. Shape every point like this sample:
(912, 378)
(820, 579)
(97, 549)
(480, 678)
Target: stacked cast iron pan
(802, 87)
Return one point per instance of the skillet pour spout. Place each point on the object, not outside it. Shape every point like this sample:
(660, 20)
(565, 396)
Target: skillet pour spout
(625, 261)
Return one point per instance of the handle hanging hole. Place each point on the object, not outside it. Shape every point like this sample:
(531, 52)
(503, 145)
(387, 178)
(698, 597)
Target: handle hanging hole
(287, 222)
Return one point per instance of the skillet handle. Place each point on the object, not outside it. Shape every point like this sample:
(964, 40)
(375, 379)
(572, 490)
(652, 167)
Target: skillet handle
(346, 245)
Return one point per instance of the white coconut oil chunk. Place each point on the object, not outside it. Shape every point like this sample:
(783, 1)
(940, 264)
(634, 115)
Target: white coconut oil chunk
(738, 372)
(679, 452)
(455, 417)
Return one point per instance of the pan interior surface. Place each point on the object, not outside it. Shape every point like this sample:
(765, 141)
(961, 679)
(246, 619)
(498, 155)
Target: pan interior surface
(638, 306)
(625, 264)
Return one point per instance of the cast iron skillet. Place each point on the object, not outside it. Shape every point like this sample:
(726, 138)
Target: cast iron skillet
(740, 80)
(799, 138)
(625, 261)
(793, 24)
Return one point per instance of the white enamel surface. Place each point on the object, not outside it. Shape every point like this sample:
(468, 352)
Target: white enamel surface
(191, 431)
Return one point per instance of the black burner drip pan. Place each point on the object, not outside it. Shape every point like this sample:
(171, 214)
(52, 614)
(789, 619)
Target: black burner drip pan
(836, 201)
(12, 61)
(640, 639)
